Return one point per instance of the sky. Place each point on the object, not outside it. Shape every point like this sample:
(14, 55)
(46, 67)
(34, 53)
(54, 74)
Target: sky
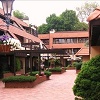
(39, 10)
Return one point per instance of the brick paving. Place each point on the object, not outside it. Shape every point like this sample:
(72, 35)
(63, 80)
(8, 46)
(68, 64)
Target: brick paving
(59, 87)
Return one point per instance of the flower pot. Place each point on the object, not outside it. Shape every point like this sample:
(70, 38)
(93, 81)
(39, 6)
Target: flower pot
(4, 48)
(48, 77)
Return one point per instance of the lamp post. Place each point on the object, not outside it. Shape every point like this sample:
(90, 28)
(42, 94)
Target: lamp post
(7, 8)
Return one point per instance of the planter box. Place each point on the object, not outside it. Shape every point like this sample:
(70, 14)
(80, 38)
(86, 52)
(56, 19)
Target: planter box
(4, 48)
(71, 68)
(62, 71)
(39, 79)
(77, 71)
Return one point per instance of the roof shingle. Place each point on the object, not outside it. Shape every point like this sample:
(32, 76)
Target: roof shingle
(16, 31)
(83, 51)
(94, 15)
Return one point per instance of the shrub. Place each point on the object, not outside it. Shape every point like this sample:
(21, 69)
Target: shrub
(34, 73)
(55, 69)
(77, 65)
(87, 83)
(6, 72)
(21, 78)
(17, 64)
(69, 66)
(65, 68)
(47, 73)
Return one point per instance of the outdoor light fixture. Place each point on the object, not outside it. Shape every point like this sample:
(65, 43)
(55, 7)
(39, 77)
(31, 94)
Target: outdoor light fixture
(7, 8)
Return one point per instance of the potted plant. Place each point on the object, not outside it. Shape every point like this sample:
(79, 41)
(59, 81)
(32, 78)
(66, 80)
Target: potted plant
(48, 74)
(4, 47)
(12, 43)
(78, 66)
(36, 73)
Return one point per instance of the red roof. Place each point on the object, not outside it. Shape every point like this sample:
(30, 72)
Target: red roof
(94, 15)
(19, 21)
(83, 51)
(14, 30)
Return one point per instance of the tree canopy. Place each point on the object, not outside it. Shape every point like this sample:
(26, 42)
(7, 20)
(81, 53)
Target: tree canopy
(85, 10)
(19, 14)
(67, 21)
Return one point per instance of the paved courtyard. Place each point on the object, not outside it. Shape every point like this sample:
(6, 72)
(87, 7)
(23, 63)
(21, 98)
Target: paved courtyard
(59, 87)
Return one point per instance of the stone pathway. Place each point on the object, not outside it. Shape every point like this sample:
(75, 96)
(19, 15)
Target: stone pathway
(59, 87)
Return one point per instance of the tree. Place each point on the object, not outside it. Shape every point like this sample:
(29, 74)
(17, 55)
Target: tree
(69, 19)
(87, 83)
(43, 29)
(81, 26)
(85, 10)
(87, 43)
(19, 14)
(54, 22)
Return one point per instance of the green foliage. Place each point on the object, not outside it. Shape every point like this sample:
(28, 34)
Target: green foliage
(77, 65)
(34, 73)
(95, 61)
(43, 29)
(19, 79)
(65, 68)
(80, 26)
(47, 73)
(6, 72)
(54, 22)
(69, 66)
(17, 64)
(58, 62)
(87, 83)
(67, 21)
(20, 15)
(1, 42)
(55, 69)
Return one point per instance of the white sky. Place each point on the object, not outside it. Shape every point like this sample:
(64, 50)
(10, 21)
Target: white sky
(39, 10)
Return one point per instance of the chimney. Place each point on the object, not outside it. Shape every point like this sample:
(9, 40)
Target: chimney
(26, 19)
(52, 31)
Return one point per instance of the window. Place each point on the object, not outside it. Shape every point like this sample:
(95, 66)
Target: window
(64, 40)
(45, 41)
(82, 40)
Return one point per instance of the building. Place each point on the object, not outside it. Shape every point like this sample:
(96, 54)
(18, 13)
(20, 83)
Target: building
(69, 41)
(26, 36)
(94, 32)
(26, 48)
(84, 53)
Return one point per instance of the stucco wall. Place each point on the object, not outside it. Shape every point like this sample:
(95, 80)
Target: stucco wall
(95, 50)
(66, 34)
(86, 58)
